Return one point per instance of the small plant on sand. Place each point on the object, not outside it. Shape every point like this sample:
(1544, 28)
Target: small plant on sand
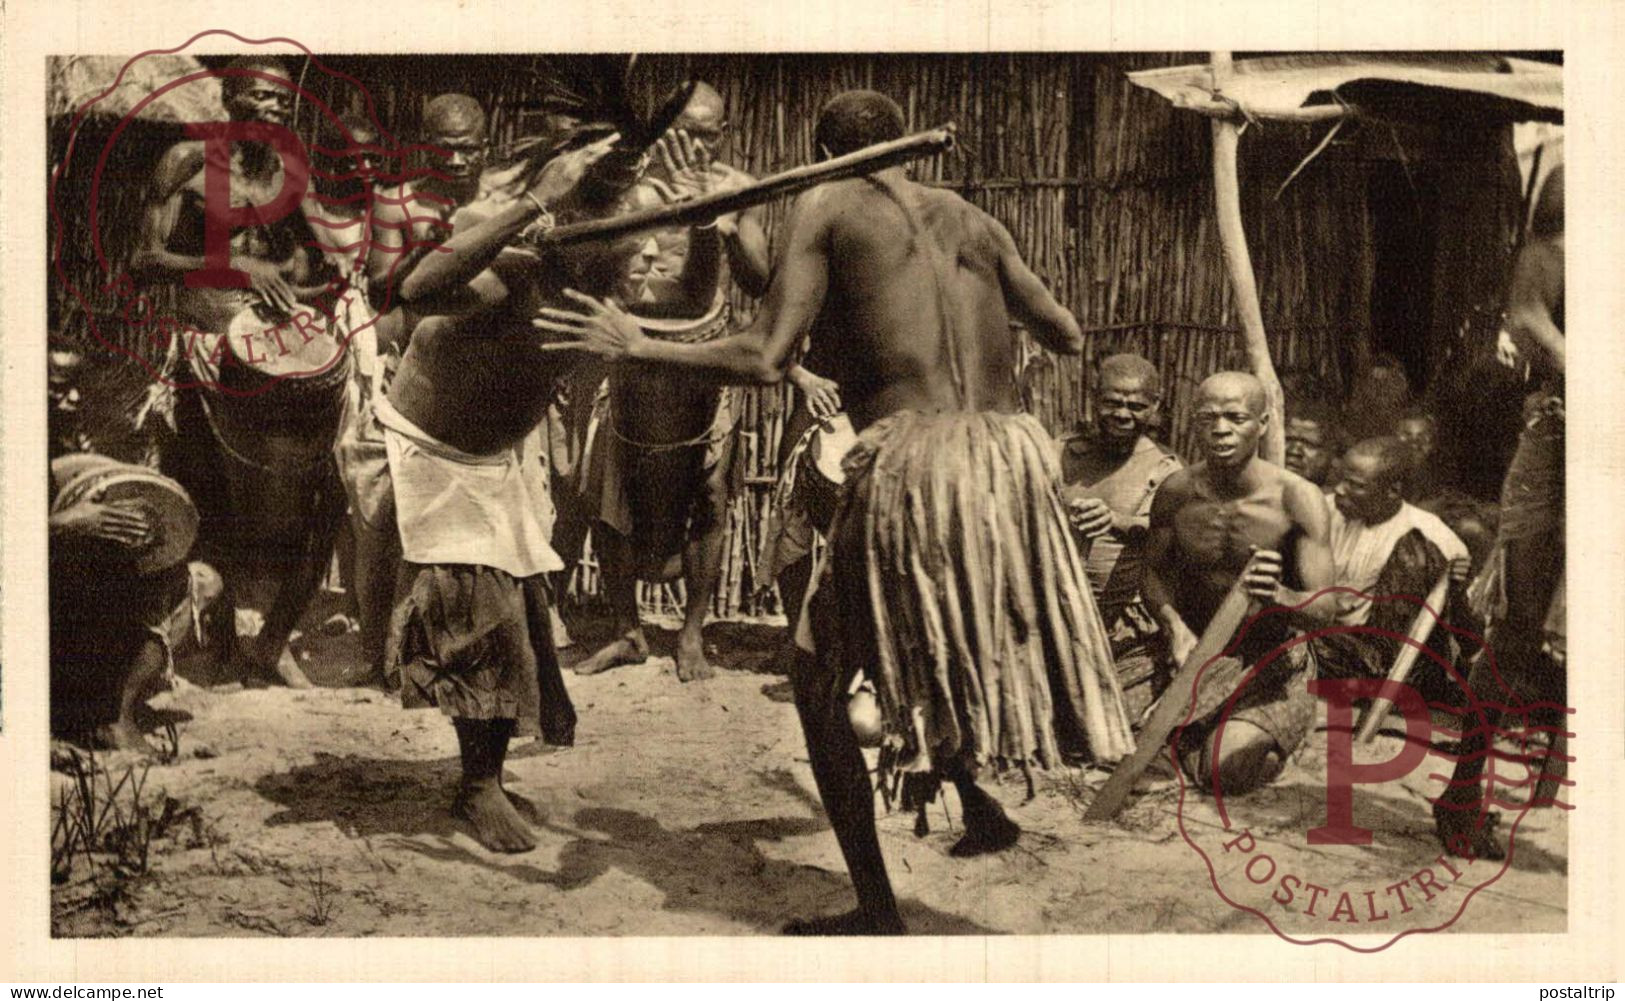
(103, 827)
(321, 898)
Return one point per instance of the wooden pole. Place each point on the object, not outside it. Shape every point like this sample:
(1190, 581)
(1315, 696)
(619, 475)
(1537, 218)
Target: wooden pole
(708, 207)
(1421, 629)
(1174, 705)
(1227, 203)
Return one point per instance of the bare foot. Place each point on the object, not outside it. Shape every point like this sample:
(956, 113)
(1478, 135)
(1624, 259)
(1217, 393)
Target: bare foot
(691, 662)
(525, 808)
(123, 735)
(851, 923)
(1465, 833)
(289, 671)
(985, 835)
(497, 825)
(629, 649)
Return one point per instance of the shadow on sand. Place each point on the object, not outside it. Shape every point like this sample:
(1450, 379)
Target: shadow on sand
(713, 868)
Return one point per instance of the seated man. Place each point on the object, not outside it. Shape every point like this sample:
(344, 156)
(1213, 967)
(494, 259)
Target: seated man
(1312, 439)
(1382, 546)
(1109, 477)
(109, 647)
(1234, 515)
(1419, 433)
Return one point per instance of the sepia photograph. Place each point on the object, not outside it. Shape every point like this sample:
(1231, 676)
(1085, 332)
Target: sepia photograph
(860, 493)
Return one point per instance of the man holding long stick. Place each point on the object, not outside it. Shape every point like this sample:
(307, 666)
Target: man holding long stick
(951, 575)
(1232, 515)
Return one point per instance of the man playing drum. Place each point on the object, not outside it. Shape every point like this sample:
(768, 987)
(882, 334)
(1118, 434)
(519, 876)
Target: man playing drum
(289, 282)
(907, 292)
(115, 575)
(661, 465)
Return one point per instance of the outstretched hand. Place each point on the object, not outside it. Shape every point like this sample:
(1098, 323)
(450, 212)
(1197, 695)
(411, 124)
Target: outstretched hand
(563, 173)
(602, 328)
(687, 163)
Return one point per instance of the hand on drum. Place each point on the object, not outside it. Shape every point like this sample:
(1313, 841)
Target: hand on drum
(603, 328)
(267, 282)
(823, 395)
(122, 523)
(1090, 516)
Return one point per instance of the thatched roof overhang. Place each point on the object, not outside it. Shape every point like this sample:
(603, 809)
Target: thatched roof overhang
(1317, 86)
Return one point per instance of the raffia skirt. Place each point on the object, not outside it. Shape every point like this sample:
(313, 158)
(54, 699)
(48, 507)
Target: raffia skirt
(952, 580)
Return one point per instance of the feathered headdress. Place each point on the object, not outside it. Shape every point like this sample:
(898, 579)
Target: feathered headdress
(595, 95)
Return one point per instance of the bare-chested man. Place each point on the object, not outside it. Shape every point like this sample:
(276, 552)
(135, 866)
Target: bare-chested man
(1236, 515)
(907, 292)
(409, 216)
(285, 272)
(470, 484)
(686, 164)
(1521, 591)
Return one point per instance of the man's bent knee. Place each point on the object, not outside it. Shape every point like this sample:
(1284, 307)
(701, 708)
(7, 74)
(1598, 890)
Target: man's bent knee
(1249, 759)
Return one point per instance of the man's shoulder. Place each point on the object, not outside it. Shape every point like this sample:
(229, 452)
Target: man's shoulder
(1301, 498)
(1434, 528)
(181, 162)
(1184, 481)
(1164, 453)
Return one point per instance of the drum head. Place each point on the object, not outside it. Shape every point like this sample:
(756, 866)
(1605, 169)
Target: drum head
(834, 439)
(170, 511)
(262, 349)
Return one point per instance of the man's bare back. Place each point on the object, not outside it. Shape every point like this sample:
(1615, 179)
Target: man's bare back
(916, 296)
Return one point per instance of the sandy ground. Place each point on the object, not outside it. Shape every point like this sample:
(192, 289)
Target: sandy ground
(690, 810)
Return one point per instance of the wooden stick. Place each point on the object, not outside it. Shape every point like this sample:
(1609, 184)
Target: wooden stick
(1227, 202)
(708, 207)
(1174, 705)
(1421, 629)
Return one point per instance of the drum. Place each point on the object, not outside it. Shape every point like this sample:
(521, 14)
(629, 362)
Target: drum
(168, 508)
(274, 404)
(821, 474)
(664, 421)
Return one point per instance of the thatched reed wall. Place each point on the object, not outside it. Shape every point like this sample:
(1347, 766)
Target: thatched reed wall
(1107, 191)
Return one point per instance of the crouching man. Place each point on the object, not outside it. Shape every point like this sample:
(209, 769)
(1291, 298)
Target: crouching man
(1232, 515)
